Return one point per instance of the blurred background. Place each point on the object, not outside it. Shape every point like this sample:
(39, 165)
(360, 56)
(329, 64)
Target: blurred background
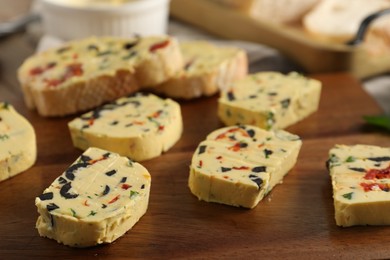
(280, 46)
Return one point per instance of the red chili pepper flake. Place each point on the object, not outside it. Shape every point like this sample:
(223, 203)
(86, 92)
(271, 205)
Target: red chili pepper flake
(219, 157)
(52, 82)
(39, 70)
(138, 123)
(125, 186)
(377, 174)
(156, 114)
(375, 186)
(114, 199)
(226, 177)
(86, 203)
(237, 146)
(91, 121)
(98, 160)
(161, 128)
(36, 71)
(232, 130)
(159, 45)
(241, 168)
(72, 70)
(200, 164)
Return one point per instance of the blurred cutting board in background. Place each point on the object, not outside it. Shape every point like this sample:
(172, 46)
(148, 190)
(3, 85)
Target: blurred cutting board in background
(313, 55)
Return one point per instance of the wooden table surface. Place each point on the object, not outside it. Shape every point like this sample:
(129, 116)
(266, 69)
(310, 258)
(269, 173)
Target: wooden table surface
(296, 220)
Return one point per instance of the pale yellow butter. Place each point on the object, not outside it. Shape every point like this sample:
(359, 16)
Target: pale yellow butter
(96, 200)
(361, 184)
(18, 148)
(269, 100)
(239, 165)
(140, 127)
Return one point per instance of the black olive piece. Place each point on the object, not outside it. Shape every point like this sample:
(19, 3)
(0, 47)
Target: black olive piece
(64, 191)
(202, 149)
(46, 196)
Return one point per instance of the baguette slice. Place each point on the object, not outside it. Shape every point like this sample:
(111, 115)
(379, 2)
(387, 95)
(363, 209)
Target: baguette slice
(338, 21)
(361, 183)
(208, 69)
(18, 148)
(86, 73)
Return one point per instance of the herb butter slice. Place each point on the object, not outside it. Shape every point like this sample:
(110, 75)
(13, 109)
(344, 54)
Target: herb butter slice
(269, 100)
(361, 184)
(140, 127)
(96, 200)
(18, 149)
(239, 165)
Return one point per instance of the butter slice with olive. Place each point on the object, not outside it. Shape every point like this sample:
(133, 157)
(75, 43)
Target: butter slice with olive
(269, 100)
(18, 148)
(96, 200)
(140, 127)
(239, 165)
(361, 184)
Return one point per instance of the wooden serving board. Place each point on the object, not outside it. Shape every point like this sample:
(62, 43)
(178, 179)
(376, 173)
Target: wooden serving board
(296, 220)
(314, 55)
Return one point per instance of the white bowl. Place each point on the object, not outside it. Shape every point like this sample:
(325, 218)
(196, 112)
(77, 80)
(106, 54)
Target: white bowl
(67, 19)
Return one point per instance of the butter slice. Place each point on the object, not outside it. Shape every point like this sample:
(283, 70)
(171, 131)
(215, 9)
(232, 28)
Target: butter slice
(239, 165)
(18, 149)
(361, 184)
(140, 127)
(207, 70)
(96, 200)
(269, 100)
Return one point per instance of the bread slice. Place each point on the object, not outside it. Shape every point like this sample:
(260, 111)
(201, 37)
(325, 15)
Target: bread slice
(207, 69)
(338, 21)
(86, 73)
(275, 11)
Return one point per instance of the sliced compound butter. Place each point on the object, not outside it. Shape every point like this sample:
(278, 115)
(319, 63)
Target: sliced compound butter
(361, 184)
(207, 70)
(239, 165)
(96, 200)
(269, 100)
(18, 149)
(140, 127)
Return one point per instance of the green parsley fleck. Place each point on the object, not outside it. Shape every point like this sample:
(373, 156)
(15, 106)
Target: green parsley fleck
(73, 213)
(4, 137)
(5, 105)
(270, 120)
(334, 160)
(348, 195)
(92, 213)
(133, 194)
(130, 163)
(350, 159)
